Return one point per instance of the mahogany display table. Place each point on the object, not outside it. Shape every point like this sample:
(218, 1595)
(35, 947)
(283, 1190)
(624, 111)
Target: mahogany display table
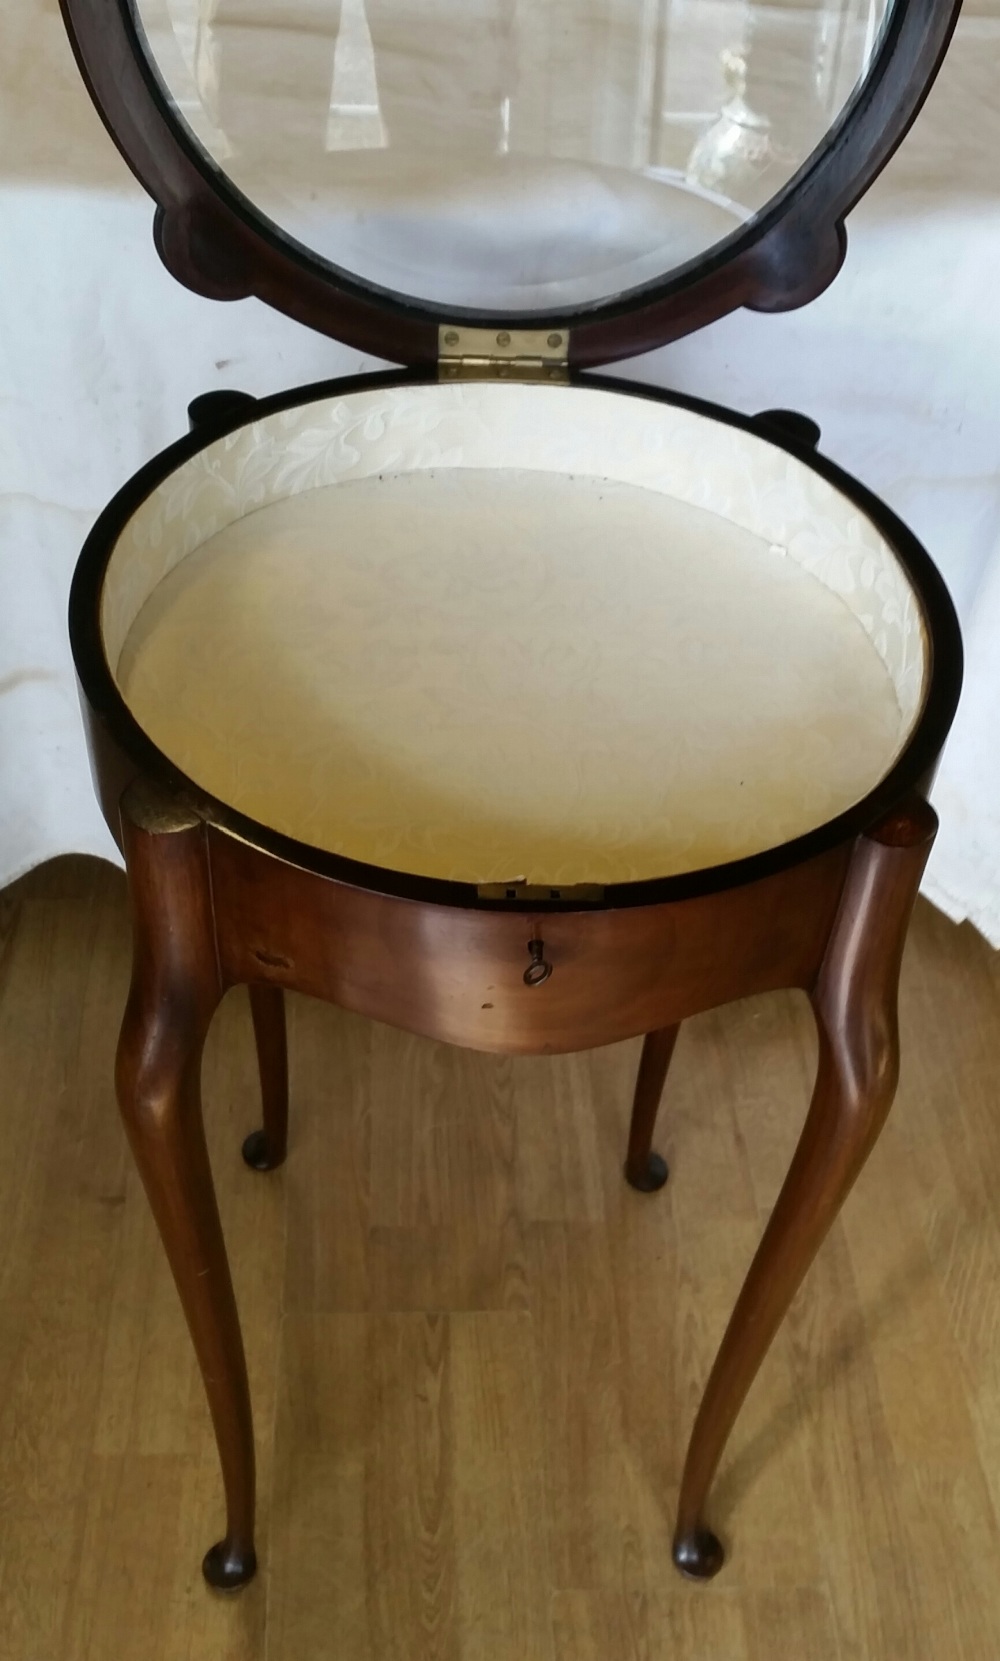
(520, 708)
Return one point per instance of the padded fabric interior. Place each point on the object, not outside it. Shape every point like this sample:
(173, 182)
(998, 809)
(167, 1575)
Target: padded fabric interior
(424, 628)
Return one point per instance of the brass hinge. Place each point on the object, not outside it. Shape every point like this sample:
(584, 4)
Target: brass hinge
(580, 893)
(502, 354)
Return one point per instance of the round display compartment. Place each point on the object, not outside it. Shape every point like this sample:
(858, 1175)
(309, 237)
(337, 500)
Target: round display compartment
(485, 633)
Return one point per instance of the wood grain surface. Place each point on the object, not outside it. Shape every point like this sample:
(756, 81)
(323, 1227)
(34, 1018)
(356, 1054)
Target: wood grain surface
(476, 1353)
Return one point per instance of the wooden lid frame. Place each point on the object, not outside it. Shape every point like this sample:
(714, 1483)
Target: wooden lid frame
(213, 241)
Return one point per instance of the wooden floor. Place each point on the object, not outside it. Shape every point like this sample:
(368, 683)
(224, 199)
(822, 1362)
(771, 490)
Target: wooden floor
(476, 1354)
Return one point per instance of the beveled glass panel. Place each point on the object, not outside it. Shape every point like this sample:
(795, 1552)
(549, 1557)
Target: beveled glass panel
(509, 155)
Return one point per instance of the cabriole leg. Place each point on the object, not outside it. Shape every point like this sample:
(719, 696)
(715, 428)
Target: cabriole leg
(645, 1169)
(174, 993)
(265, 1149)
(855, 1007)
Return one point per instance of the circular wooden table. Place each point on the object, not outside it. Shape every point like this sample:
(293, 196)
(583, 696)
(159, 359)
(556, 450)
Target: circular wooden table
(529, 717)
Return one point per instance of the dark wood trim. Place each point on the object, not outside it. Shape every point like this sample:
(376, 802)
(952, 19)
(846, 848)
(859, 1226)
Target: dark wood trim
(120, 749)
(214, 241)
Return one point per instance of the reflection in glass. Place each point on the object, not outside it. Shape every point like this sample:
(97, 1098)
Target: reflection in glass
(509, 154)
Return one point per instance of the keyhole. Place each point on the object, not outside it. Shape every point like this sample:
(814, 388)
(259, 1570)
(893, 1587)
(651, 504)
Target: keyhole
(538, 971)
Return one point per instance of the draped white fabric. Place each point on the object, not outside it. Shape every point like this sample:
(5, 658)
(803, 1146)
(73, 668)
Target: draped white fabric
(100, 352)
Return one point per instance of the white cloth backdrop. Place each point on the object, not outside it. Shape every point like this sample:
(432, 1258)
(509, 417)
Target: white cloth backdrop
(100, 353)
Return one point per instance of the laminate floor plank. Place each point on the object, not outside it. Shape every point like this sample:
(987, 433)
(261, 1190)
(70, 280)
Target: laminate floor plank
(797, 1623)
(504, 1580)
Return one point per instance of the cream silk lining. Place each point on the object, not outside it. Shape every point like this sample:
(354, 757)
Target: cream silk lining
(545, 633)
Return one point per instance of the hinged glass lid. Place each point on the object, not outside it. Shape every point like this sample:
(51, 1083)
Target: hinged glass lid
(628, 167)
(511, 157)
